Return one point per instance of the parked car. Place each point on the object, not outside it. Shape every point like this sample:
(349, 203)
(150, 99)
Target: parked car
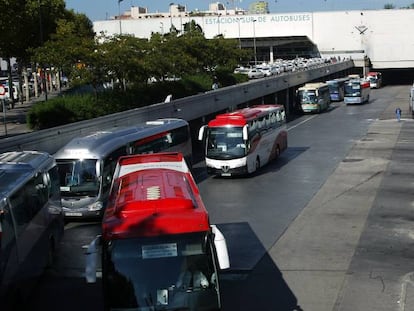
(255, 74)
(267, 70)
(242, 70)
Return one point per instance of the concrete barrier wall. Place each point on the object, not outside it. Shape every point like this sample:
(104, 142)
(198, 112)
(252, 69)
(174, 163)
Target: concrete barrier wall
(189, 108)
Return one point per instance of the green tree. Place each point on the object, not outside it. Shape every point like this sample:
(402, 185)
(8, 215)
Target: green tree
(124, 57)
(71, 44)
(389, 6)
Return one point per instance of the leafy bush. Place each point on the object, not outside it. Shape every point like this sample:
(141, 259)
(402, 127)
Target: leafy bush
(86, 104)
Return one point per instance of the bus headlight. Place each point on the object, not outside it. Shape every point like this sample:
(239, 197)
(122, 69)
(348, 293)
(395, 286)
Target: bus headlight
(97, 206)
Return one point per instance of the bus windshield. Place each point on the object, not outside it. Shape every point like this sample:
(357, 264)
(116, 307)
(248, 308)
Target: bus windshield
(308, 97)
(78, 177)
(174, 272)
(353, 89)
(225, 143)
(333, 88)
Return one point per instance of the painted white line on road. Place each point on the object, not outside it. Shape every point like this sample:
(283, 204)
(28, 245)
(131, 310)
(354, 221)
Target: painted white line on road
(300, 123)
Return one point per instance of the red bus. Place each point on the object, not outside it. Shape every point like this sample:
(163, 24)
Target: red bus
(159, 251)
(241, 141)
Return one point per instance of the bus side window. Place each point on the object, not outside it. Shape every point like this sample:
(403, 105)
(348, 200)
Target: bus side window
(40, 192)
(7, 237)
(54, 185)
(109, 167)
(21, 213)
(179, 136)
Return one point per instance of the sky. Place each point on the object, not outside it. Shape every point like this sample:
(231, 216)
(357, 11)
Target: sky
(105, 9)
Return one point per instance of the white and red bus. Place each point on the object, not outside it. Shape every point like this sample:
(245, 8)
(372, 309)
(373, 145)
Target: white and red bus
(375, 79)
(357, 91)
(159, 251)
(241, 141)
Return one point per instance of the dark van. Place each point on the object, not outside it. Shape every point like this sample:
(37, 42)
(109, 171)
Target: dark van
(31, 222)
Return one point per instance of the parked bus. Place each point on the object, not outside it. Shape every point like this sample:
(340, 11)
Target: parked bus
(158, 249)
(314, 97)
(356, 91)
(337, 89)
(375, 79)
(241, 141)
(86, 164)
(31, 222)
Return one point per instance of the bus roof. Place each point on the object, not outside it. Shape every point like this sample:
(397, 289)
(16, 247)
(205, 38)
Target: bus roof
(98, 144)
(338, 80)
(313, 86)
(242, 116)
(363, 83)
(152, 195)
(19, 166)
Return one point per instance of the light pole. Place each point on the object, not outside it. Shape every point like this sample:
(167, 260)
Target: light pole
(218, 24)
(171, 23)
(238, 24)
(42, 69)
(254, 42)
(119, 16)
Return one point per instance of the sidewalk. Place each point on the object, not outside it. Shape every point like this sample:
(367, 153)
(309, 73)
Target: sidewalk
(350, 247)
(13, 121)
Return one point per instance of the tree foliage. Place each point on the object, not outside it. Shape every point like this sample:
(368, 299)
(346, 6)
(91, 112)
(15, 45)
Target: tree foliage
(389, 6)
(44, 32)
(27, 24)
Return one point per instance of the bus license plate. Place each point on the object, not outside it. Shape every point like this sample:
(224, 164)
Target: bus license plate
(225, 174)
(73, 214)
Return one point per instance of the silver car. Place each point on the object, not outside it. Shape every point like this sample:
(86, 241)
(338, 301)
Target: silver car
(255, 74)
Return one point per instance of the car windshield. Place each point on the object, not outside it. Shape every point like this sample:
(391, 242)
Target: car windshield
(78, 177)
(174, 272)
(225, 143)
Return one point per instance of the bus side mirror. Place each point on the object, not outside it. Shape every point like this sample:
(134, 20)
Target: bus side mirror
(201, 132)
(221, 248)
(245, 133)
(91, 259)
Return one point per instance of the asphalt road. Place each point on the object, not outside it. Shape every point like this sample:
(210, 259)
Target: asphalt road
(325, 227)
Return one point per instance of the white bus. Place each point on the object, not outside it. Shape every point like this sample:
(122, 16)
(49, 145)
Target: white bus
(31, 222)
(241, 141)
(86, 164)
(314, 97)
(357, 91)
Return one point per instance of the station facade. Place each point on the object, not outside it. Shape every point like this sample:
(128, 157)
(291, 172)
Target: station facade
(379, 39)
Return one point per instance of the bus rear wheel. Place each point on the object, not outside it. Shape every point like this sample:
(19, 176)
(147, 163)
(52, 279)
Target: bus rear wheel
(257, 163)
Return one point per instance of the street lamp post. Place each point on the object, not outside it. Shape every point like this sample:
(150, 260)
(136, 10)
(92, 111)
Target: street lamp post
(218, 24)
(43, 75)
(171, 23)
(238, 24)
(254, 42)
(119, 16)
(162, 28)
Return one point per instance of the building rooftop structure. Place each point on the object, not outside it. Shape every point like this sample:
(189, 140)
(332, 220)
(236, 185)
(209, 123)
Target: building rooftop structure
(178, 10)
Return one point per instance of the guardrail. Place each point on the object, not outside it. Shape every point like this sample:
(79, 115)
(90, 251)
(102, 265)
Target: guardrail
(188, 108)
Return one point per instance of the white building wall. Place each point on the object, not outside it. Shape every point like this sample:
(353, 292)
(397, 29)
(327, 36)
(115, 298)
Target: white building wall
(386, 37)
